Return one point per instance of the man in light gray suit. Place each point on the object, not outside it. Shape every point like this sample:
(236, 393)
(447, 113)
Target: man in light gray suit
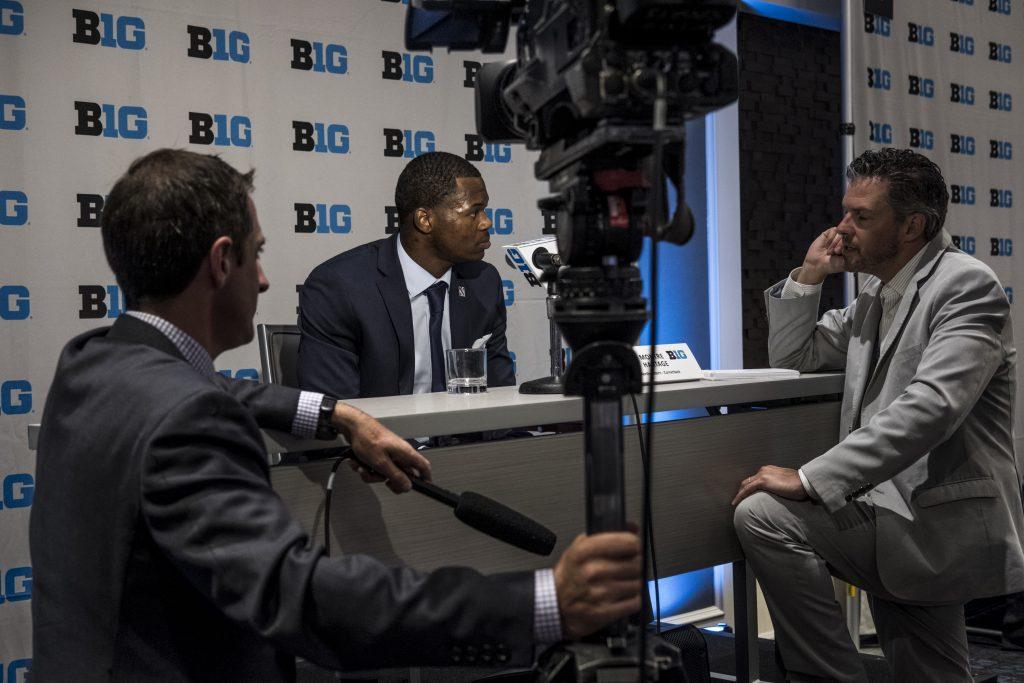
(919, 503)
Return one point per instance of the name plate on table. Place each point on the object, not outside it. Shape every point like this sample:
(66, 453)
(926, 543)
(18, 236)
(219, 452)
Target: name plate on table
(672, 363)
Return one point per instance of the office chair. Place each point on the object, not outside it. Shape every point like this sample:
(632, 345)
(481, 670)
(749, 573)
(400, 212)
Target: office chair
(279, 354)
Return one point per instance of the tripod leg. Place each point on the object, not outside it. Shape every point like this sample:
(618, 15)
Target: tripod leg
(744, 603)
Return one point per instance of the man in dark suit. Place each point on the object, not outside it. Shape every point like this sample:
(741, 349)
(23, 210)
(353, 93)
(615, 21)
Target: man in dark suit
(376, 319)
(160, 550)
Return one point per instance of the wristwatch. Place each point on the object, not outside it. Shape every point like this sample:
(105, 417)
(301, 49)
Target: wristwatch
(325, 429)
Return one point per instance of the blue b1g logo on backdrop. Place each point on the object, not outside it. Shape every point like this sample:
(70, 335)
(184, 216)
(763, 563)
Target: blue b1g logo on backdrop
(111, 121)
(15, 397)
(323, 218)
(394, 221)
(962, 194)
(961, 43)
(920, 34)
(18, 670)
(315, 136)
(509, 288)
(12, 18)
(961, 144)
(221, 130)
(402, 66)
(1000, 101)
(1000, 198)
(998, 52)
(17, 585)
(218, 44)
(921, 86)
(18, 491)
(319, 57)
(502, 221)
(241, 373)
(921, 138)
(879, 79)
(965, 243)
(1000, 6)
(100, 301)
(90, 210)
(1001, 246)
(12, 112)
(13, 208)
(15, 303)
(488, 152)
(961, 94)
(880, 132)
(1000, 149)
(408, 143)
(879, 26)
(127, 33)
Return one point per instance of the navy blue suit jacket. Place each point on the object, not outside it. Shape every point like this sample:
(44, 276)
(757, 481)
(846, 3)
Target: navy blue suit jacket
(356, 322)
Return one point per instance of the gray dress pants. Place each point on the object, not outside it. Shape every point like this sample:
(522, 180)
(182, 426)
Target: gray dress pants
(794, 548)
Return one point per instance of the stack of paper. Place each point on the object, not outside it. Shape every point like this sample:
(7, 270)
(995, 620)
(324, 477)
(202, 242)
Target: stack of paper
(751, 373)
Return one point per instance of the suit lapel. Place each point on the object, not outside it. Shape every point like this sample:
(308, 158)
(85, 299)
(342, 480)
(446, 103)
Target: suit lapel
(393, 291)
(463, 309)
(861, 353)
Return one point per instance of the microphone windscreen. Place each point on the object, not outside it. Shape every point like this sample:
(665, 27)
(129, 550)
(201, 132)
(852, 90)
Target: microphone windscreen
(504, 523)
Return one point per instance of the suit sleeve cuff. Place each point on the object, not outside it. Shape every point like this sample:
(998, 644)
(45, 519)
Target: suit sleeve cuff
(547, 624)
(306, 415)
(812, 494)
(793, 289)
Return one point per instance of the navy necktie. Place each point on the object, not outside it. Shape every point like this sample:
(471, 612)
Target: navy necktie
(435, 297)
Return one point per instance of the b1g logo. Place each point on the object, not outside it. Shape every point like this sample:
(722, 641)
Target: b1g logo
(961, 94)
(221, 130)
(241, 373)
(323, 218)
(12, 112)
(12, 18)
(18, 491)
(1000, 6)
(998, 52)
(1000, 199)
(319, 57)
(879, 26)
(1001, 246)
(1000, 101)
(922, 35)
(471, 69)
(315, 136)
(509, 288)
(408, 143)
(921, 138)
(879, 79)
(15, 397)
(516, 260)
(920, 86)
(394, 221)
(401, 66)
(1000, 149)
(13, 208)
(962, 194)
(960, 43)
(965, 243)
(111, 121)
(961, 144)
(880, 132)
(14, 302)
(127, 33)
(217, 44)
(489, 152)
(90, 210)
(100, 301)
(676, 354)
(17, 585)
(18, 670)
(502, 222)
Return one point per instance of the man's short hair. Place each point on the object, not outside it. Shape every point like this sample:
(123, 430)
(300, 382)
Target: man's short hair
(428, 180)
(915, 183)
(165, 213)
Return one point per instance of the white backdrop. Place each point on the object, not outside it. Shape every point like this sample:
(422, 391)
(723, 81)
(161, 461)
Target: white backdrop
(85, 87)
(945, 78)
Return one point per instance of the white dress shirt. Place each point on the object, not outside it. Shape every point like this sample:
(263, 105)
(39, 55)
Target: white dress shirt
(417, 280)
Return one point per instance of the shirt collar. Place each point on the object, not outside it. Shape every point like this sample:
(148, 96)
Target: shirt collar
(893, 289)
(193, 351)
(417, 278)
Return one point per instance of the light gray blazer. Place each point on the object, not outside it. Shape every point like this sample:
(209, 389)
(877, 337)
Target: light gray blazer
(935, 415)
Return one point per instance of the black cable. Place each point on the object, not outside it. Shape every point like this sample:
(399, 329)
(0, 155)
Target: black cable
(650, 520)
(328, 491)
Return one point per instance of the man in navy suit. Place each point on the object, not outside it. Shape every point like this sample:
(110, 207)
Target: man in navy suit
(376, 319)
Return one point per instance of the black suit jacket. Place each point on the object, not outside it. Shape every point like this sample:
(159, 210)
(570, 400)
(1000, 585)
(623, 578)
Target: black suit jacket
(356, 322)
(160, 551)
